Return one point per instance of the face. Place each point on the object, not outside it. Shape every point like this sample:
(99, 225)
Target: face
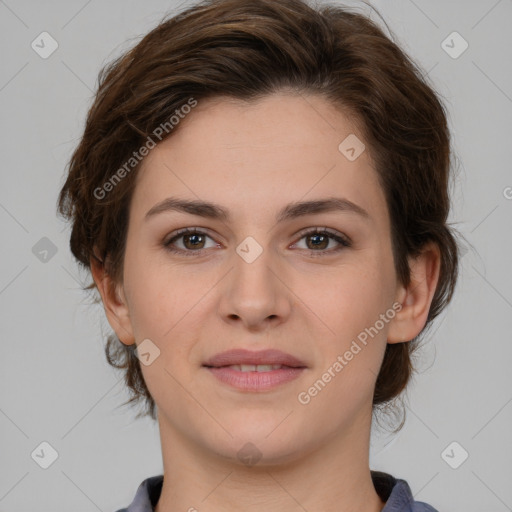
(257, 279)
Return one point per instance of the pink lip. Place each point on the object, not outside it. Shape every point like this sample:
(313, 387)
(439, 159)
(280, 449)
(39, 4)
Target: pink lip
(242, 356)
(255, 381)
(219, 364)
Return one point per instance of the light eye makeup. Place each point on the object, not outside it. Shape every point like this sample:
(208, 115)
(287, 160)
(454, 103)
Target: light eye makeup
(319, 236)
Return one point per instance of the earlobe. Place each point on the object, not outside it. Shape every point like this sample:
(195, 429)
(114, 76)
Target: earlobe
(114, 302)
(417, 297)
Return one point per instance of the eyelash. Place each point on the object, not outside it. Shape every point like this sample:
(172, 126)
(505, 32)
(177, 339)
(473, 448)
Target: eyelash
(342, 240)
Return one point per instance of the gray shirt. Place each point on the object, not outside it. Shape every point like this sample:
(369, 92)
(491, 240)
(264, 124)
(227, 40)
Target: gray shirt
(395, 492)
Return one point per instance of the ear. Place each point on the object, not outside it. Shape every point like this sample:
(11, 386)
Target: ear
(417, 297)
(114, 302)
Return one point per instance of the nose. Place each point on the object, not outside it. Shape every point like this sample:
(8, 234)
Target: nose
(255, 294)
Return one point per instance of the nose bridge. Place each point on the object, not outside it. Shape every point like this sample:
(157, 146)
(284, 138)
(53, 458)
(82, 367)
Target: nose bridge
(253, 279)
(254, 292)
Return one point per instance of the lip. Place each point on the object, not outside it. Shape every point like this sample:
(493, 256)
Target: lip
(255, 381)
(242, 356)
(219, 367)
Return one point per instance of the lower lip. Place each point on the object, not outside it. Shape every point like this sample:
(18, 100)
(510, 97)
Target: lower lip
(255, 381)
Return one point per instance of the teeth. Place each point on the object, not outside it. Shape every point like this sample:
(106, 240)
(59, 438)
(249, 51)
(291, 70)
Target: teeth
(255, 367)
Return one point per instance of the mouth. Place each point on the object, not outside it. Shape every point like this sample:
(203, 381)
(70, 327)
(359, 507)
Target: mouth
(254, 371)
(262, 359)
(253, 367)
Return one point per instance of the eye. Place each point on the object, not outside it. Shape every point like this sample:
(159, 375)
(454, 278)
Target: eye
(320, 239)
(193, 242)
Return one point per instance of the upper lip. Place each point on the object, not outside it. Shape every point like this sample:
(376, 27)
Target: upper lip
(242, 356)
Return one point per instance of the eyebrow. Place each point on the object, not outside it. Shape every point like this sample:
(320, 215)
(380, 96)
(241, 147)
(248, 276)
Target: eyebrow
(291, 211)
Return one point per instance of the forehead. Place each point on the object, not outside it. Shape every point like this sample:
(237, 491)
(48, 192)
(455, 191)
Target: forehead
(252, 156)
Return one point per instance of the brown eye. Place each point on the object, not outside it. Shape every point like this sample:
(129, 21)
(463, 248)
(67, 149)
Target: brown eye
(193, 242)
(318, 241)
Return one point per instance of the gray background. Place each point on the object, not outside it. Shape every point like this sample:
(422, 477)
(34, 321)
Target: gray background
(55, 383)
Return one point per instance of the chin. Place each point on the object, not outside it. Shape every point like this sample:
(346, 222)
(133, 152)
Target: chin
(272, 436)
(251, 453)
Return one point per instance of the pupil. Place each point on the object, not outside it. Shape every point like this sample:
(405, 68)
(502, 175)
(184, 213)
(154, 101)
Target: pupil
(316, 237)
(189, 237)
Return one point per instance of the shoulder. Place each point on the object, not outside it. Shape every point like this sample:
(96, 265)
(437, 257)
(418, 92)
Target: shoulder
(397, 494)
(146, 495)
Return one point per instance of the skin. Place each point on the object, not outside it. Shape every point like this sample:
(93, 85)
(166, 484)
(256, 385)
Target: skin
(253, 159)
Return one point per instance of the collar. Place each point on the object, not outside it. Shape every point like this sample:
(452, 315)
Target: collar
(395, 492)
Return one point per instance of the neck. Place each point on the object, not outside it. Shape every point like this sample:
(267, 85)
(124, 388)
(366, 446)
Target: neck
(334, 477)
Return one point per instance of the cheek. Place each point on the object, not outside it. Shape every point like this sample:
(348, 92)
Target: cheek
(155, 295)
(350, 356)
(167, 301)
(350, 304)
(350, 297)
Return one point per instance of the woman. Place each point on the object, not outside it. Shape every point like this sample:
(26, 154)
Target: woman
(261, 196)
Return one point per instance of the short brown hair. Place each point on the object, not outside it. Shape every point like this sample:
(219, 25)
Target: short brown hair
(247, 49)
